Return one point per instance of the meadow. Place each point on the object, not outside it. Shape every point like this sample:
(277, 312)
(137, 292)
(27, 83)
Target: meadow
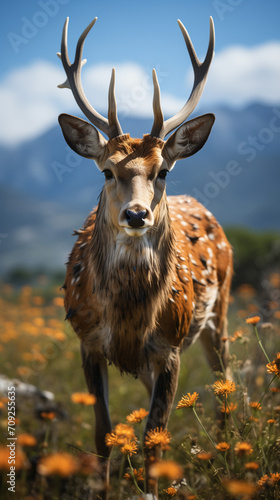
(201, 459)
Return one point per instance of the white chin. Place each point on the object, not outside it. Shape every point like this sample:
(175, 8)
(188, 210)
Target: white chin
(135, 232)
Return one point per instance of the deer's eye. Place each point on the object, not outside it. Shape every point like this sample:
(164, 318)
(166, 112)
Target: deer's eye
(162, 174)
(108, 174)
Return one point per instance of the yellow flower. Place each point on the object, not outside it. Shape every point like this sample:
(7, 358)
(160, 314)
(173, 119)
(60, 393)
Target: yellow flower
(239, 488)
(121, 435)
(187, 401)
(255, 405)
(222, 387)
(228, 408)
(48, 415)
(253, 321)
(20, 458)
(129, 447)
(252, 466)
(243, 448)
(274, 367)
(203, 455)
(270, 480)
(166, 468)
(138, 474)
(171, 491)
(158, 437)
(223, 446)
(137, 416)
(26, 440)
(61, 464)
(83, 398)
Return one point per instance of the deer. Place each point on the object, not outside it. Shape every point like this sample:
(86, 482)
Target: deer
(148, 274)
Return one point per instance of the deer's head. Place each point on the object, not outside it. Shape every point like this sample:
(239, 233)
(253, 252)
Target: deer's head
(135, 169)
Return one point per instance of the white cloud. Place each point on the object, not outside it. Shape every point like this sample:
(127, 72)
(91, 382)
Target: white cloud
(30, 101)
(240, 75)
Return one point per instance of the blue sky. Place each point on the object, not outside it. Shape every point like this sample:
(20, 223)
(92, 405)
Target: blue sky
(134, 37)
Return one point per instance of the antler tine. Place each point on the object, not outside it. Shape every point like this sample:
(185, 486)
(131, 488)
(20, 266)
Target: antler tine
(158, 121)
(112, 107)
(200, 76)
(110, 127)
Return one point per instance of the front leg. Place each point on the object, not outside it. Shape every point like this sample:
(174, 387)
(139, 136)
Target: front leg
(161, 404)
(96, 375)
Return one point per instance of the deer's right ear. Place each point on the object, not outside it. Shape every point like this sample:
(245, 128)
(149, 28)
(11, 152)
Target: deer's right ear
(82, 137)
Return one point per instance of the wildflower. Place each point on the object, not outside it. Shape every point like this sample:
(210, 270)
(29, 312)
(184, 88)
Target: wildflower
(122, 434)
(271, 421)
(223, 446)
(26, 440)
(222, 387)
(171, 491)
(137, 416)
(274, 390)
(129, 447)
(251, 466)
(20, 458)
(253, 321)
(255, 405)
(242, 488)
(138, 474)
(166, 468)
(229, 408)
(83, 398)
(48, 415)
(204, 455)
(187, 401)
(274, 367)
(158, 437)
(270, 480)
(61, 464)
(243, 448)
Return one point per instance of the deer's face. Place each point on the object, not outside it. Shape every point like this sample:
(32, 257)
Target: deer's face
(135, 172)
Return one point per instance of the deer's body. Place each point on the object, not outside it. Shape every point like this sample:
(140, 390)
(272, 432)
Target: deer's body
(148, 274)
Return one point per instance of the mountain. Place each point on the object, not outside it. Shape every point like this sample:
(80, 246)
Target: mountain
(46, 190)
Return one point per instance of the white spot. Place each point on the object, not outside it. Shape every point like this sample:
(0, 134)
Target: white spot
(73, 281)
(182, 258)
(183, 223)
(185, 297)
(211, 236)
(171, 300)
(77, 296)
(82, 245)
(179, 216)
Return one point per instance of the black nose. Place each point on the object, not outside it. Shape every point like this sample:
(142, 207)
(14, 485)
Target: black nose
(135, 219)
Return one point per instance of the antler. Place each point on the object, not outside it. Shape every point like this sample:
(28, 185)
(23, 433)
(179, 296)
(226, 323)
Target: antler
(110, 127)
(160, 127)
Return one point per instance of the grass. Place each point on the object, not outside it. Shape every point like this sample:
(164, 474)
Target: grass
(55, 439)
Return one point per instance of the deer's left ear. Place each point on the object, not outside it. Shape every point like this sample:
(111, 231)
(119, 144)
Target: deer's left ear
(189, 138)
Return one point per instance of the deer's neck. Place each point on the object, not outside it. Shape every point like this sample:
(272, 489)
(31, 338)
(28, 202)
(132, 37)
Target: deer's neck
(132, 279)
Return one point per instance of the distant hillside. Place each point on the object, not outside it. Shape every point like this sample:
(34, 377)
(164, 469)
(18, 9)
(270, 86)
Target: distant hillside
(46, 190)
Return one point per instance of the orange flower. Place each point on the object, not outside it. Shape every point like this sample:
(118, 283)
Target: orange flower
(166, 468)
(122, 434)
(158, 437)
(252, 466)
(138, 474)
(171, 491)
(224, 387)
(129, 447)
(48, 415)
(223, 446)
(83, 398)
(228, 408)
(240, 488)
(243, 448)
(274, 367)
(61, 464)
(271, 421)
(137, 416)
(270, 480)
(26, 440)
(253, 321)
(204, 455)
(20, 458)
(255, 405)
(187, 401)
